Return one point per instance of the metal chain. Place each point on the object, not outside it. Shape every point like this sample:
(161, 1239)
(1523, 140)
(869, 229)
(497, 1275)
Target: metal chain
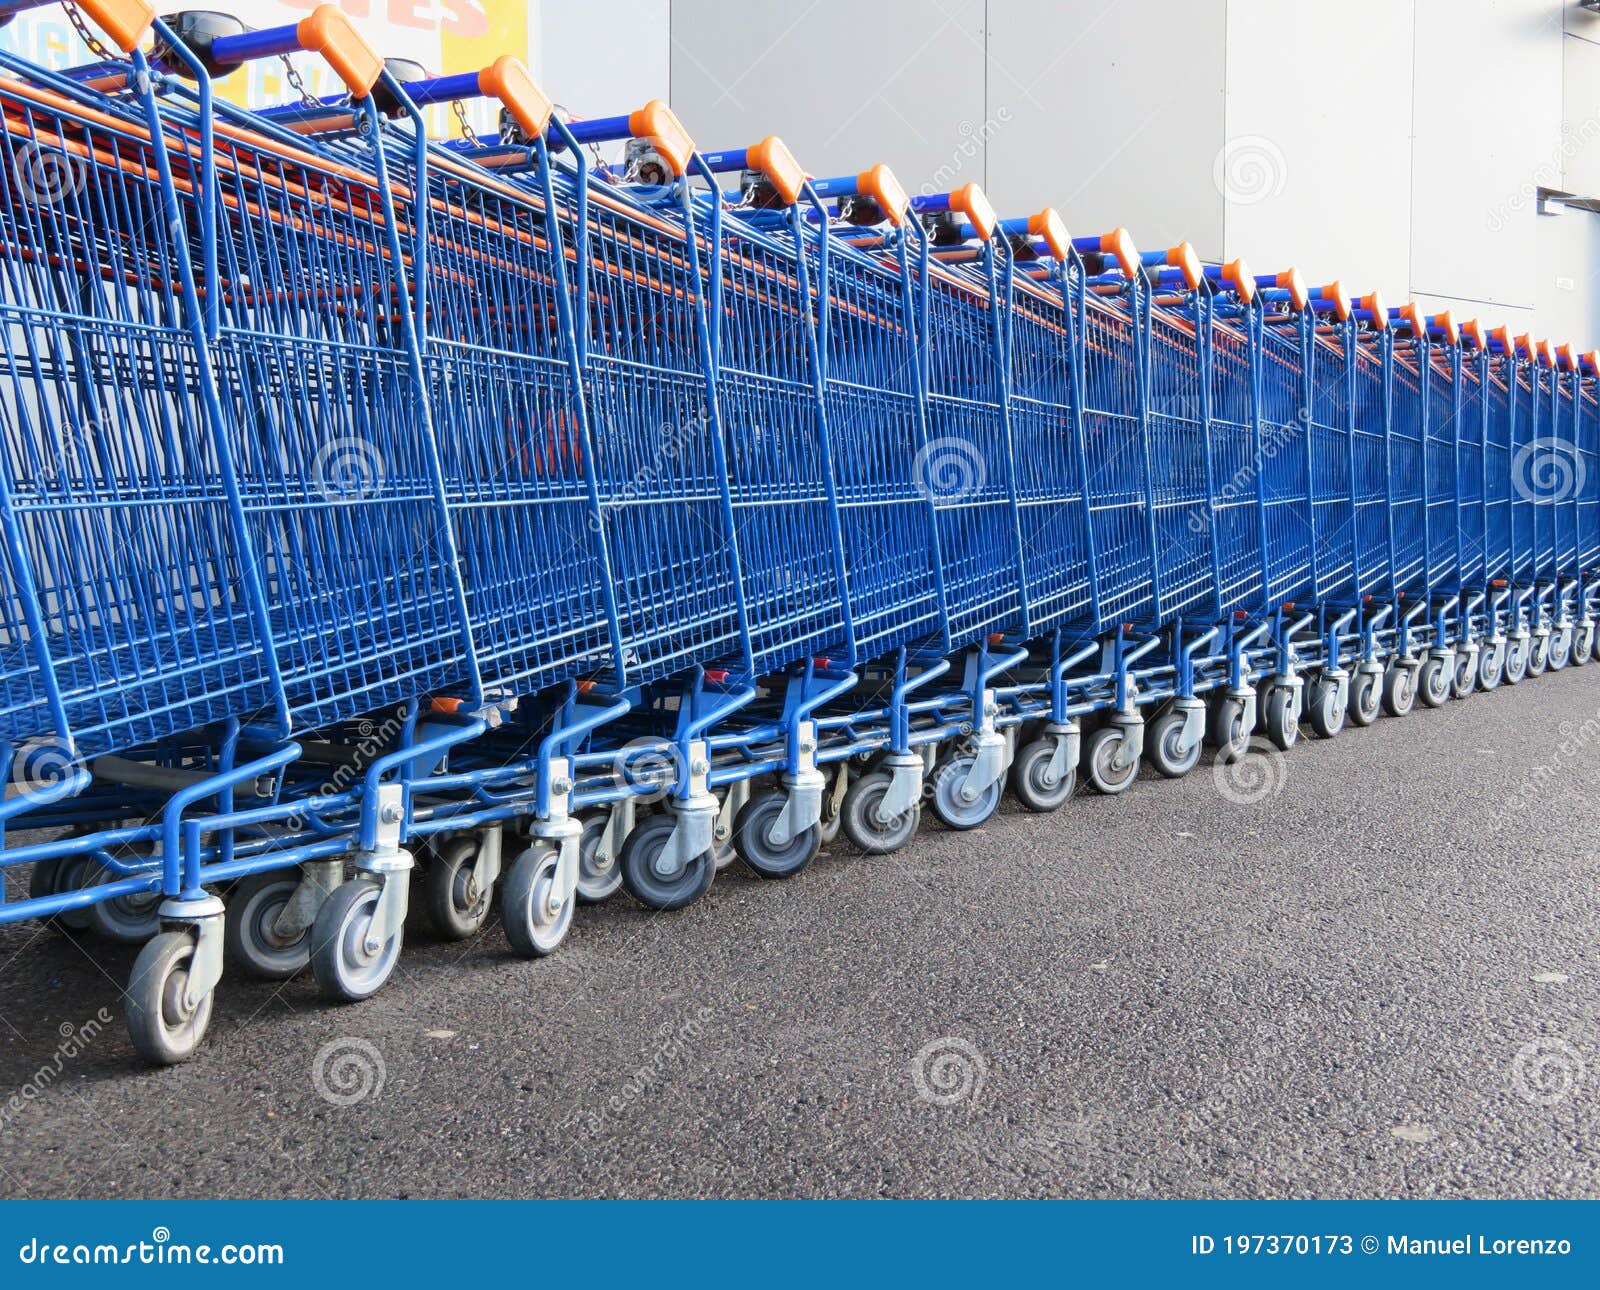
(297, 83)
(467, 132)
(85, 34)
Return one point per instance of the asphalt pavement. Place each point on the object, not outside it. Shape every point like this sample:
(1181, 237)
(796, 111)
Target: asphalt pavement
(1366, 968)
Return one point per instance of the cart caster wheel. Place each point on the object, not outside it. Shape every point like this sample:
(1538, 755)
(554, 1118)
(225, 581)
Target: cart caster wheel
(535, 924)
(128, 920)
(863, 826)
(1164, 748)
(55, 877)
(1282, 717)
(1516, 668)
(345, 969)
(1560, 649)
(954, 810)
(1399, 691)
(457, 905)
(1366, 697)
(163, 1029)
(248, 935)
(1031, 781)
(832, 808)
(650, 887)
(1466, 676)
(1324, 712)
(599, 877)
(1491, 666)
(1229, 734)
(1434, 683)
(1582, 646)
(1100, 757)
(752, 834)
(1539, 656)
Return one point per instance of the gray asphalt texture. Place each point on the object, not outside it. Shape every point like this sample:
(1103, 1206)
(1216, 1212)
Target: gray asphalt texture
(1333, 991)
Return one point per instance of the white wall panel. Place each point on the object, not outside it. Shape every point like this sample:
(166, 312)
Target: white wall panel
(604, 57)
(1580, 137)
(845, 84)
(1112, 113)
(1474, 185)
(1319, 164)
(1567, 297)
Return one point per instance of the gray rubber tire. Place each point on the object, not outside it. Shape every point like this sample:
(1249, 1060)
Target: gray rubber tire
(163, 1031)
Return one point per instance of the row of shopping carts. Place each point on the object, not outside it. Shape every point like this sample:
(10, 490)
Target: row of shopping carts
(390, 516)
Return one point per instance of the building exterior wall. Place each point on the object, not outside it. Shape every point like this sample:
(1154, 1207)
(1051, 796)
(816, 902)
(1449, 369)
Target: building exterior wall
(1396, 144)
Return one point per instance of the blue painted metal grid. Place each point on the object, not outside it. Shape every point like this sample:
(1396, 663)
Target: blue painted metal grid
(874, 405)
(1329, 434)
(659, 461)
(1047, 425)
(1285, 456)
(966, 465)
(1408, 428)
(1178, 349)
(1369, 465)
(1470, 425)
(780, 470)
(1500, 411)
(126, 613)
(1236, 485)
(1117, 464)
(507, 399)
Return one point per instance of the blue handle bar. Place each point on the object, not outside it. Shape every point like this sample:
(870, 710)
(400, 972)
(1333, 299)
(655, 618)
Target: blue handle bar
(602, 129)
(443, 89)
(721, 163)
(251, 45)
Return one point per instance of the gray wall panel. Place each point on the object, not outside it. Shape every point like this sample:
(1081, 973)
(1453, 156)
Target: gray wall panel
(1472, 231)
(1102, 127)
(1308, 184)
(844, 84)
